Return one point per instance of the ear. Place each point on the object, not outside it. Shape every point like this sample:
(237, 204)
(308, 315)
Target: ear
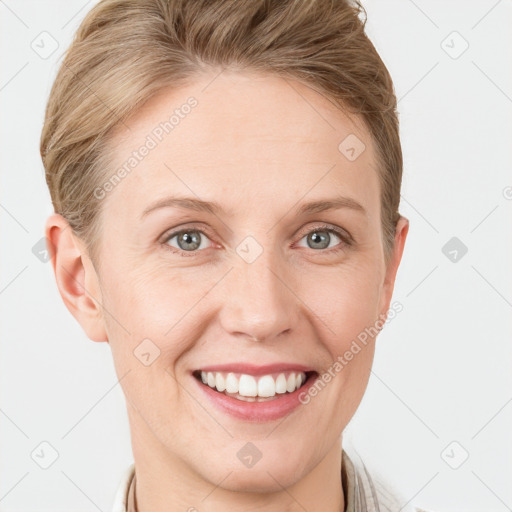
(76, 277)
(402, 228)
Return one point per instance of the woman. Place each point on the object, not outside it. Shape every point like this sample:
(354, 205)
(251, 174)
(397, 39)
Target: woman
(230, 173)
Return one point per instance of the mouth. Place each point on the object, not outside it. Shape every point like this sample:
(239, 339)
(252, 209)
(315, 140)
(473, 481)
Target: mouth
(251, 388)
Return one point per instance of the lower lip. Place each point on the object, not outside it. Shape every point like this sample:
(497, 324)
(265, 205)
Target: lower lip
(257, 411)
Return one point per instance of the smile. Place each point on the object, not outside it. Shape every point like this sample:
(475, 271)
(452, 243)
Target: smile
(250, 388)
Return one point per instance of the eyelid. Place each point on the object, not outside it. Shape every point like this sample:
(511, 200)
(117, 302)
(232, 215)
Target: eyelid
(342, 233)
(171, 233)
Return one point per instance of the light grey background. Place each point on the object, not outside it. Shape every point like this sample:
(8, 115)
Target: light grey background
(441, 383)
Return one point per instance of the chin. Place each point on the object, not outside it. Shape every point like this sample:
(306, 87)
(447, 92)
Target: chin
(259, 480)
(265, 476)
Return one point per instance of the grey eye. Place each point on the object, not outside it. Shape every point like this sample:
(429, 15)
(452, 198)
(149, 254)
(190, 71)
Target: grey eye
(188, 241)
(321, 238)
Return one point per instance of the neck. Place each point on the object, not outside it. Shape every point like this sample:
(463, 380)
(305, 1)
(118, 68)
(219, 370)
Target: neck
(166, 482)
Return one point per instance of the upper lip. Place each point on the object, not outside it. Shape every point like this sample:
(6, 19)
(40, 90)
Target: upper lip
(252, 369)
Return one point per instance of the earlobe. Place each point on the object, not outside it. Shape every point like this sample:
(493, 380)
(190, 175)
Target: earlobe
(76, 277)
(401, 231)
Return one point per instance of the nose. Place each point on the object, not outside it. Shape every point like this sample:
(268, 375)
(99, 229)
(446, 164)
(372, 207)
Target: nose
(259, 300)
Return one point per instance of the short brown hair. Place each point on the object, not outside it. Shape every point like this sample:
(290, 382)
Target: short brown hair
(125, 51)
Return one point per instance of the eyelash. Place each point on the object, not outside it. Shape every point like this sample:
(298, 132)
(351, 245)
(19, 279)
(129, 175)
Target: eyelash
(347, 240)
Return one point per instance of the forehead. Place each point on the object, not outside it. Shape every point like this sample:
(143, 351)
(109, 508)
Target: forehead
(244, 136)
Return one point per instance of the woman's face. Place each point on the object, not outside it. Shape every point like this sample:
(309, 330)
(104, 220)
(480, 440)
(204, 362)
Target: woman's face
(246, 284)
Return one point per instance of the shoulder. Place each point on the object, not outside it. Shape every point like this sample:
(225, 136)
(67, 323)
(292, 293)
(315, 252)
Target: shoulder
(370, 491)
(120, 499)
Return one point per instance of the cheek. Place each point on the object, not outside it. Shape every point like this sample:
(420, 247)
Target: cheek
(348, 309)
(156, 304)
(147, 300)
(148, 332)
(347, 302)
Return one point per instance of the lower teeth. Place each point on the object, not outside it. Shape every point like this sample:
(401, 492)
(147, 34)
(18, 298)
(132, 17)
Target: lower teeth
(250, 398)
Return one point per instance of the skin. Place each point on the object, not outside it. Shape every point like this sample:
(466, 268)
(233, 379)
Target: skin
(260, 146)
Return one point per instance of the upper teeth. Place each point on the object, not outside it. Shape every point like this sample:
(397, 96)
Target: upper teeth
(247, 385)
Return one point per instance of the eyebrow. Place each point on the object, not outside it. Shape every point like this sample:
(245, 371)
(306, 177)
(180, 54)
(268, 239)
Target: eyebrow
(199, 205)
(188, 203)
(331, 204)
